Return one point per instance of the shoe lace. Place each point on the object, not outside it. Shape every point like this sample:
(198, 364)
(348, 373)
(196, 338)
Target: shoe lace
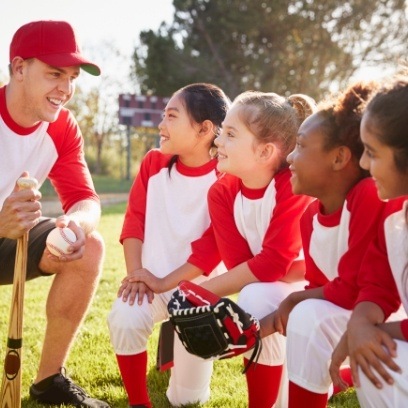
(70, 386)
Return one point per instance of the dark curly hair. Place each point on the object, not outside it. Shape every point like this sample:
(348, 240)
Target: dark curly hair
(342, 116)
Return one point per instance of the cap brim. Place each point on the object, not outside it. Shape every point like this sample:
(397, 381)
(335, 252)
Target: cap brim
(91, 69)
(69, 60)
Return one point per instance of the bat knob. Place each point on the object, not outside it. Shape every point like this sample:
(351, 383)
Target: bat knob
(27, 183)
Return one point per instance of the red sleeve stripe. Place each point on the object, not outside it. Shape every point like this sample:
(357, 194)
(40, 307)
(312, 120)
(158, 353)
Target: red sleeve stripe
(404, 328)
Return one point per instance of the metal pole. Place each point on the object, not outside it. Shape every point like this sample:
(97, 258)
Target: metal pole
(128, 152)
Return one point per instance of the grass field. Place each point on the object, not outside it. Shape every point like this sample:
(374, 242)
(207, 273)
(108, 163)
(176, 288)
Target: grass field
(103, 184)
(92, 363)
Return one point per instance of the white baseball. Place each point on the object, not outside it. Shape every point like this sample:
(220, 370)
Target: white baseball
(59, 240)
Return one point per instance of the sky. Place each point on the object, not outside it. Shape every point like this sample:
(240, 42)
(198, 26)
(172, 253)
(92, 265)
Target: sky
(95, 21)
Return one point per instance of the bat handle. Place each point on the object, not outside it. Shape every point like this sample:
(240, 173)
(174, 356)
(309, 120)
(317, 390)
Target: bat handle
(10, 395)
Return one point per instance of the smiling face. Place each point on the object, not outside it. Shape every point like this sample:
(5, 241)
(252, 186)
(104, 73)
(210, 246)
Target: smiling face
(237, 146)
(44, 90)
(310, 163)
(378, 159)
(178, 132)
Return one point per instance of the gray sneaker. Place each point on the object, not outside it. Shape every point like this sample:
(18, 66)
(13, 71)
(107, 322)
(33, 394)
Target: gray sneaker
(64, 391)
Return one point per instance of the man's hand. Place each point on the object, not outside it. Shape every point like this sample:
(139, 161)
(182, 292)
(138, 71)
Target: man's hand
(76, 249)
(82, 218)
(21, 211)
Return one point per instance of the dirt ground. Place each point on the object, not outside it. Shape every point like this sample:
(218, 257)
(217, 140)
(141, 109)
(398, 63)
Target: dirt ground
(52, 207)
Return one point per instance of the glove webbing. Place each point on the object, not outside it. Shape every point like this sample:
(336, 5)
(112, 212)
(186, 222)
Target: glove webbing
(235, 329)
(239, 326)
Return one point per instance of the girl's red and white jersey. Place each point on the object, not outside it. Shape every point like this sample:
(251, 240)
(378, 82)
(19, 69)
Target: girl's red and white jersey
(335, 244)
(258, 226)
(384, 277)
(169, 213)
(396, 238)
(53, 150)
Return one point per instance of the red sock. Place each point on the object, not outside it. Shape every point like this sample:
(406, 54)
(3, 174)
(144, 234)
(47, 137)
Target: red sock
(263, 383)
(133, 371)
(300, 397)
(345, 374)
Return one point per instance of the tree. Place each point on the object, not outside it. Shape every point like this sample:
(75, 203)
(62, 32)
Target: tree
(97, 124)
(96, 110)
(3, 79)
(270, 45)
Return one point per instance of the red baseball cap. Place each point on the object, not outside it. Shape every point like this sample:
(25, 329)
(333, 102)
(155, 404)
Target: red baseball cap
(52, 42)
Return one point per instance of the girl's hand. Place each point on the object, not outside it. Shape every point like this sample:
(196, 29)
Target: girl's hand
(129, 291)
(281, 315)
(157, 285)
(267, 325)
(371, 349)
(339, 354)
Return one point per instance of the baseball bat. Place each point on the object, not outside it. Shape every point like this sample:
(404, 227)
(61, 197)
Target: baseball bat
(10, 396)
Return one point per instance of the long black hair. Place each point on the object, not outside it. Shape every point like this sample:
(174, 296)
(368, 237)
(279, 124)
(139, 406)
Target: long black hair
(388, 110)
(203, 101)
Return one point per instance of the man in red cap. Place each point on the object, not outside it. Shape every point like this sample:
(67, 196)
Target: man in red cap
(40, 138)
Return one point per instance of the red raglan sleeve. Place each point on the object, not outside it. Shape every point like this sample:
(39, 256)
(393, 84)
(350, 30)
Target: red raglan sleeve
(365, 209)
(282, 242)
(70, 175)
(375, 280)
(204, 252)
(232, 246)
(404, 328)
(134, 222)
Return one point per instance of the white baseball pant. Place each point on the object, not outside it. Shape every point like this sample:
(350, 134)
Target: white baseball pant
(130, 328)
(314, 328)
(396, 395)
(260, 299)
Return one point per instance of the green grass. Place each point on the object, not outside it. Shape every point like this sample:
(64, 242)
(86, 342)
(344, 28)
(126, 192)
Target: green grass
(103, 184)
(107, 184)
(92, 362)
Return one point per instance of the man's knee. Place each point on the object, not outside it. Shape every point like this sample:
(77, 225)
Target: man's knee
(95, 244)
(89, 266)
(92, 260)
(94, 256)
(95, 248)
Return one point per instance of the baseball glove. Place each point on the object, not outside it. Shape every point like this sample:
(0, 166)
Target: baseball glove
(212, 327)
